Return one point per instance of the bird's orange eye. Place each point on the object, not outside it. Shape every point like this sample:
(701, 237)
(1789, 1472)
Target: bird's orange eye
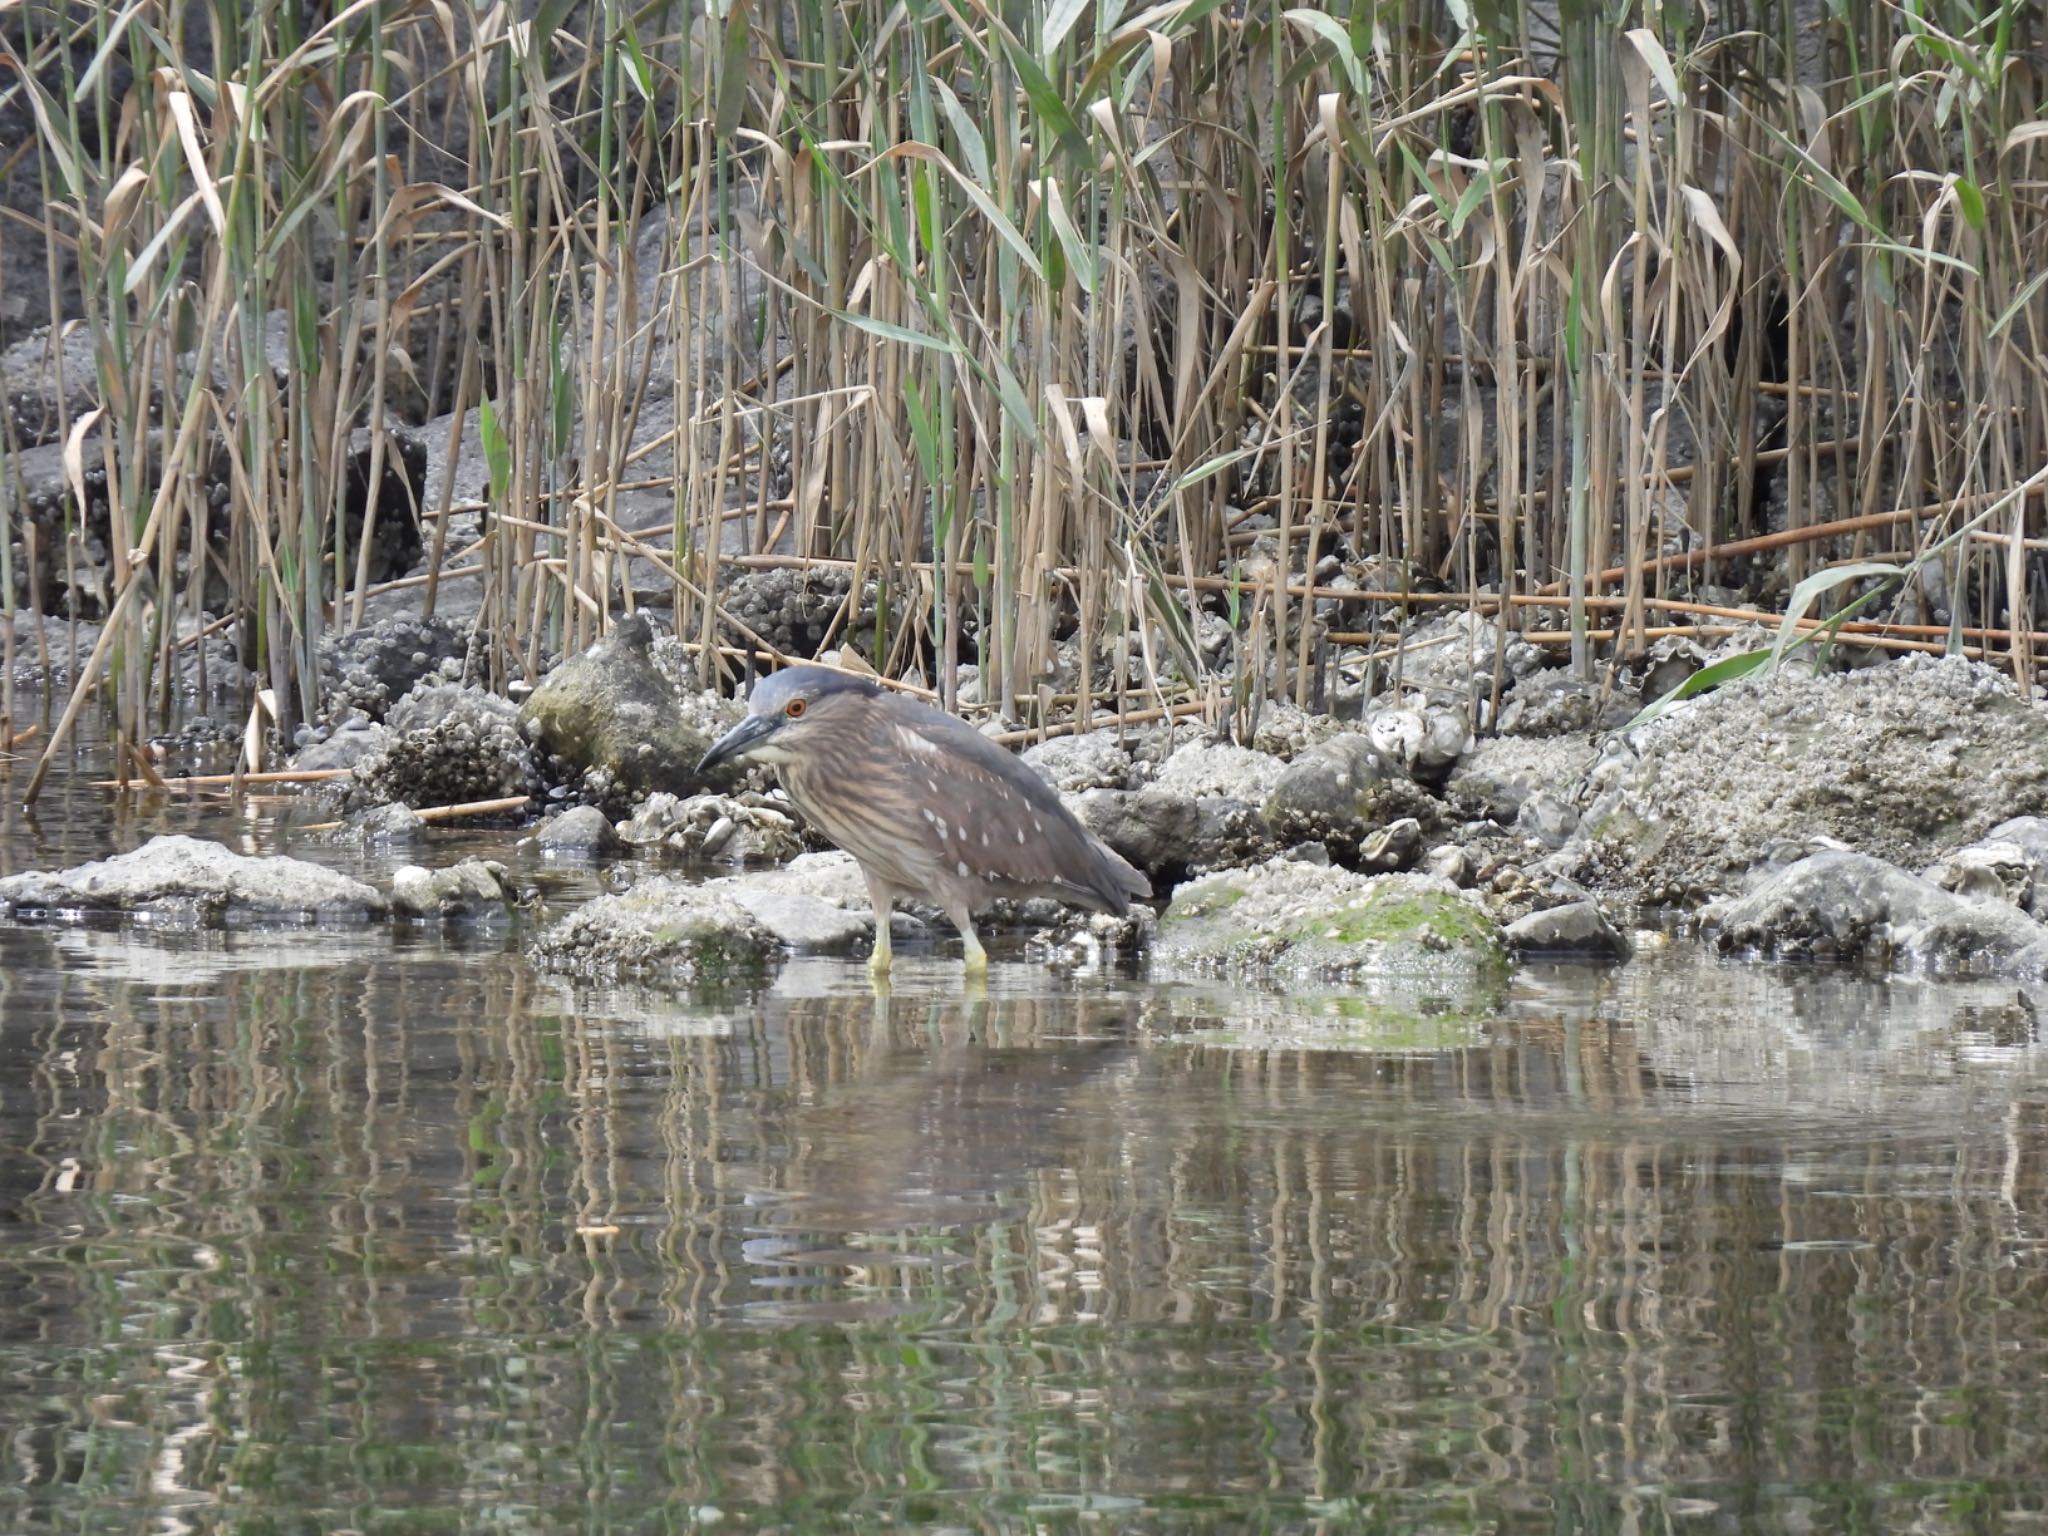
(795, 709)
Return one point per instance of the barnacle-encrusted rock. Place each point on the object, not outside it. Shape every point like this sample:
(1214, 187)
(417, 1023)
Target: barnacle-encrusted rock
(1903, 761)
(1838, 905)
(450, 746)
(371, 668)
(730, 829)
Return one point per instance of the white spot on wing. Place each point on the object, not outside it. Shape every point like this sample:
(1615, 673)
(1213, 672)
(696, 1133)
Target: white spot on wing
(962, 867)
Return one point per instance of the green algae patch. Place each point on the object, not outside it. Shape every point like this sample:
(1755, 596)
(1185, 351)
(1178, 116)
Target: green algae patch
(1187, 908)
(1289, 919)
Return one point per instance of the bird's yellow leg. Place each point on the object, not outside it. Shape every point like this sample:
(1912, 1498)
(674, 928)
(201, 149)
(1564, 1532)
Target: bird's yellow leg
(883, 901)
(977, 957)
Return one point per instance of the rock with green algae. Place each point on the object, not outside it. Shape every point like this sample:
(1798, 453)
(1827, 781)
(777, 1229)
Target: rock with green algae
(1286, 918)
(612, 711)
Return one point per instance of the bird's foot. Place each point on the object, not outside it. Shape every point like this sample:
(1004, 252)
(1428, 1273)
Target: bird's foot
(976, 956)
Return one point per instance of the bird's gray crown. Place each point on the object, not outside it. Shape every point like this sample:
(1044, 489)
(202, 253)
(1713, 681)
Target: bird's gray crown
(774, 692)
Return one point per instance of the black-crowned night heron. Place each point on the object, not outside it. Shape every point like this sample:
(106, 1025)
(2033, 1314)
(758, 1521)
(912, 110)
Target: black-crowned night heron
(927, 805)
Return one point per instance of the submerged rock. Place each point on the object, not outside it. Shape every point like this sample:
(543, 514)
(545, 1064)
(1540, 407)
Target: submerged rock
(385, 826)
(355, 740)
(194, 883)
(1848, 906)
(1290, 918)
(475, 888)
(1903, 762)
(613, 714)
(582, 832)
(1578, 929)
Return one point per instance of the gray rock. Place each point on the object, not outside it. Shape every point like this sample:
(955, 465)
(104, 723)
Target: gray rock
(582, 832)
(716, 929)
(612, 712)
(1153, 832)
(1578, 929)
(1340, 793)
(1499, 774)
(1391, 848)
(1157, 831)
(1076, 763)
(832, 877)
(449, 746)
(1427, 742)
(652, 820)
(1547, 817)
(661, 926)
(1216, 770)
(1991, 869)
(473, 889)
(192, 883)
(1449, 863)
(386, 825)
(730, 829)
(2010, 861)
(28, 382)
(1288, 918)
(799, 921)
(349, 743)
(1555, 703)
(1455, 656)
(1849, 906)
(1903, 761)
(371, 668)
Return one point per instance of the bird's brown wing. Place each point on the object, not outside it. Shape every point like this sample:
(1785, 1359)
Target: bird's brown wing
(1005, 822)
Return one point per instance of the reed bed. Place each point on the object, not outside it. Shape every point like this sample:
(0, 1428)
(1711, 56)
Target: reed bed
(1062, 322)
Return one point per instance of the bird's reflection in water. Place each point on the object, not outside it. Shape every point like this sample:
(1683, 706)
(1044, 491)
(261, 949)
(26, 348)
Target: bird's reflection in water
(913, 1125)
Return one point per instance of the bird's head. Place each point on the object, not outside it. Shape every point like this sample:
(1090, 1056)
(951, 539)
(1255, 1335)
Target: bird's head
(787, 712)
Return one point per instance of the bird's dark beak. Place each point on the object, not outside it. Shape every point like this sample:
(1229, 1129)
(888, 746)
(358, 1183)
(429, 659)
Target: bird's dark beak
(736, 743)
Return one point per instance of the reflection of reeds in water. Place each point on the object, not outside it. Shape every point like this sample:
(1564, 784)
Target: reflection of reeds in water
(397, 1232)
